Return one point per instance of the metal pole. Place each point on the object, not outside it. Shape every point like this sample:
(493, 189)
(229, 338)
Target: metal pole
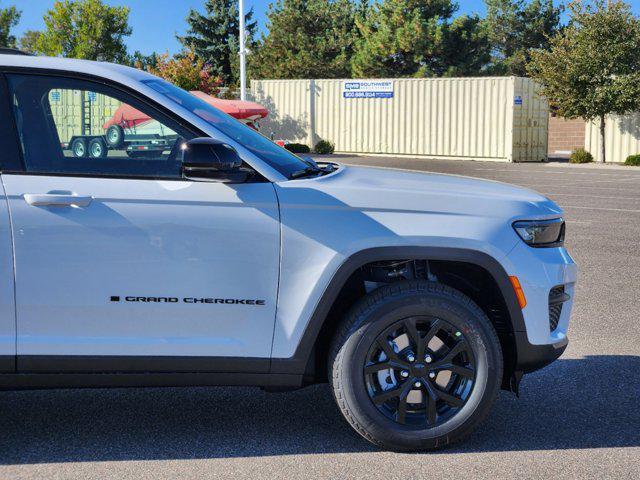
(243, 53)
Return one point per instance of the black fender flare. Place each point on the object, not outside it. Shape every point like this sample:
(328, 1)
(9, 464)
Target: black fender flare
(298, 362)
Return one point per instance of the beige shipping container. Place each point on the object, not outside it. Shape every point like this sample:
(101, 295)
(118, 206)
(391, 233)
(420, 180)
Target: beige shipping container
(502, 119)
(70, 107)
(622, 137)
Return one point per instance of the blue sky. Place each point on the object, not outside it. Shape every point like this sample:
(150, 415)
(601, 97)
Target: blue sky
(156, 22)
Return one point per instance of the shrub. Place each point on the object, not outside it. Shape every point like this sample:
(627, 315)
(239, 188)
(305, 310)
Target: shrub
(297, 147)
(324, 147)
(580, 155)
(633, 160)
(187, 72)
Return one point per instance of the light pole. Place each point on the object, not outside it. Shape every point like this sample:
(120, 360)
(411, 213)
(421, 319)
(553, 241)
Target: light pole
(243, 54)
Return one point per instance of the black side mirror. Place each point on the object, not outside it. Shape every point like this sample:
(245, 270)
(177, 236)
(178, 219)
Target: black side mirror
(213, 160)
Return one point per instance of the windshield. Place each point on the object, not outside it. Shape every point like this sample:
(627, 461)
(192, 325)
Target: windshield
(275, 156)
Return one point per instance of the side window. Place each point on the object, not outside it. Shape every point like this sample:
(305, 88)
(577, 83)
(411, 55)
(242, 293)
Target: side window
(9, 152)
(77, 127)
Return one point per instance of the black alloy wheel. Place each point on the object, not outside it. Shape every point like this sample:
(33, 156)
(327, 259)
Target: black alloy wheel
(415, 365)
(420, 371)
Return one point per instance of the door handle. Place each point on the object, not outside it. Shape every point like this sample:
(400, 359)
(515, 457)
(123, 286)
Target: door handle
(57, 199)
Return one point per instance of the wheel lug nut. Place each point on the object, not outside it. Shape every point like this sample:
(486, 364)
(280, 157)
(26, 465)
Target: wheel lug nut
(432, 375)
(404, 374)
(428, 359)
(417, 384)
(411, 357)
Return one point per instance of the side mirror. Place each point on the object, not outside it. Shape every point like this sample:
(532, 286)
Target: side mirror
(213, 160)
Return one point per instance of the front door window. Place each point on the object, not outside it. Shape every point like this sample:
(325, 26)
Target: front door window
(76, 127)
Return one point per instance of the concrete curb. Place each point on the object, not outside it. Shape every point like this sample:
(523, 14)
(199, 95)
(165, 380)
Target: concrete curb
(595, 165)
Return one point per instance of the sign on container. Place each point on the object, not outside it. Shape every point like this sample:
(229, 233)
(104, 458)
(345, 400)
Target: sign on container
(367, 89)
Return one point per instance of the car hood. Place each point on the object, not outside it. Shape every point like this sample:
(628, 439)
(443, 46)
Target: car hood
(388, 189)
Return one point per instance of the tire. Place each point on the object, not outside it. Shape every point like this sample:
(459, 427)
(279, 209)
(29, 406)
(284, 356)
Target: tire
(98, 148)
(433, 415)
(79, 147)
(115, 136)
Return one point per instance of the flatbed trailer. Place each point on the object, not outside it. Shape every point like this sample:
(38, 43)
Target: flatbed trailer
(135, 146)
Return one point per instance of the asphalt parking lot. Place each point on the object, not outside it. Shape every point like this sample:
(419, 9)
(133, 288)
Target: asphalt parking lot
(578, 418)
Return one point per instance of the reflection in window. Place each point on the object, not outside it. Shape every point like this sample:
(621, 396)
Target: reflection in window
(94, 125)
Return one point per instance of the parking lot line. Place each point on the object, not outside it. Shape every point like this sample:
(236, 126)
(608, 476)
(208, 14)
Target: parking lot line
(605, 209)
(556, 172)
(543, 185)
(602, 197)
(618, 181)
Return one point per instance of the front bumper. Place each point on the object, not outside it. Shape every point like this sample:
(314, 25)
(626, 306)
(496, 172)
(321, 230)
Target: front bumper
(541, 272)
(534, 357)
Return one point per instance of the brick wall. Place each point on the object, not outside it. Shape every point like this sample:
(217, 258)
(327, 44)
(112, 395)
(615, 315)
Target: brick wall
(565, 136)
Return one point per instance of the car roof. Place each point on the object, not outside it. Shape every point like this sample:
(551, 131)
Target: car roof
(101, 69)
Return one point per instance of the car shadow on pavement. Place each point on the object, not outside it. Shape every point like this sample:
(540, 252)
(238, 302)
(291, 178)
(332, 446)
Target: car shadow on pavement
(591, 402)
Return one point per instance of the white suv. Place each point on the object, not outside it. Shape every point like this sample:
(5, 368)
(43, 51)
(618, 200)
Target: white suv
(226, 260)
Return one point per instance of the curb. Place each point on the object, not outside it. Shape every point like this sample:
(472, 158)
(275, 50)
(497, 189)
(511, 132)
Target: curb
(595, 165)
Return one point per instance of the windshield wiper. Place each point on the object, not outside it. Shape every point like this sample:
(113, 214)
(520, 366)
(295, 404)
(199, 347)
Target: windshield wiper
(324, 168)
(311, 170)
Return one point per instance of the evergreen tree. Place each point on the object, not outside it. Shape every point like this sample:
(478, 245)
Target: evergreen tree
(402, 38)
(515, 27)
(214, 37)
(9, 18)
(466, 50)
(308, 39)
(144, 62)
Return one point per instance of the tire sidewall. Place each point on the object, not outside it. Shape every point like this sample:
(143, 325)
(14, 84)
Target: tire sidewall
(79, 142)
(118, 138)
(103, 148)
(373, 322)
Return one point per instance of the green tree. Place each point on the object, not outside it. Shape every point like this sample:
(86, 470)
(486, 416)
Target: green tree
(592, 68)
(144, 62)
(517, 26)
(214, 37)
(403, 38)
(9, 18)
(29, 41)
(465, 50)
(307, 39)
(86, 29)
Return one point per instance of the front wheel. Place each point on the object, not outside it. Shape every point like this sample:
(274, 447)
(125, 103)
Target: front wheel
(416, 365)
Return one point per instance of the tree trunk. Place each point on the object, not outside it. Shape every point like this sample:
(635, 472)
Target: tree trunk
(603, 150)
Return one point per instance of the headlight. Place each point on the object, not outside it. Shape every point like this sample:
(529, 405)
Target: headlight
(541, 233)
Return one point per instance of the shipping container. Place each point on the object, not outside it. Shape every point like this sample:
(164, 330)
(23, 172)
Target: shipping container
(490, 118)
(622, 137)
(78, 112)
